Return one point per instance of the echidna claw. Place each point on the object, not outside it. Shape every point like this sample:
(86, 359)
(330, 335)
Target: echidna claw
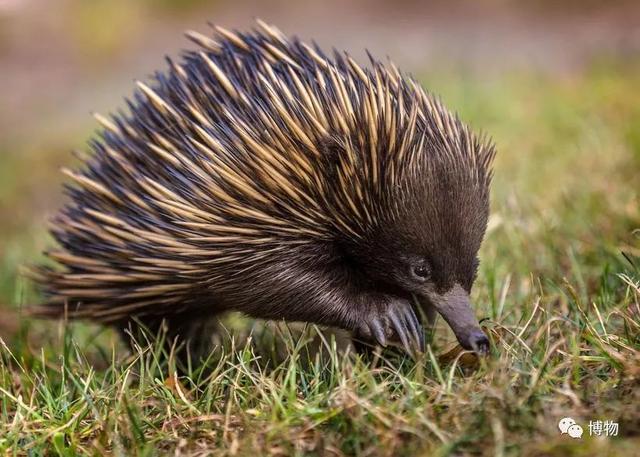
(406, 326)
(378, 332)
(396, 321)
(400, 326)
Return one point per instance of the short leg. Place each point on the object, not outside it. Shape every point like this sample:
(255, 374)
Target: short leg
(189, 336)
(306, 288)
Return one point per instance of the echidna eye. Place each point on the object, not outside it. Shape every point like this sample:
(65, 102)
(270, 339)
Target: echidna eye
(421, 271)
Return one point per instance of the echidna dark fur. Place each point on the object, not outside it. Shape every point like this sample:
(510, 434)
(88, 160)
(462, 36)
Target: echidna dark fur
(260, 175)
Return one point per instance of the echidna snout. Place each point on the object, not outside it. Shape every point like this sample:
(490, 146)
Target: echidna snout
(455, 307)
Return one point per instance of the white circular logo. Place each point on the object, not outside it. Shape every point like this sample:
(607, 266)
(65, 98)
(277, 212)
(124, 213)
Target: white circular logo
(565, 423)
(575, 431)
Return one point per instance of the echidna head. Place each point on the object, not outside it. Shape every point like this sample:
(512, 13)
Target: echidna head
(428, 244)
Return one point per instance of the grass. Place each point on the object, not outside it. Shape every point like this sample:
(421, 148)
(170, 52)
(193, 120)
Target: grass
(558, 292)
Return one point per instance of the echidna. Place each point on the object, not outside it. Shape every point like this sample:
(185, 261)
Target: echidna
(260, 175)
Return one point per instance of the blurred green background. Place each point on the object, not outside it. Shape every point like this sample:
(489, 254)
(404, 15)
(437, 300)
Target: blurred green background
(554, 83)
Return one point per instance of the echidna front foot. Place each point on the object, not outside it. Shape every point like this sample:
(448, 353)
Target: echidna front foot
(395, 321)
